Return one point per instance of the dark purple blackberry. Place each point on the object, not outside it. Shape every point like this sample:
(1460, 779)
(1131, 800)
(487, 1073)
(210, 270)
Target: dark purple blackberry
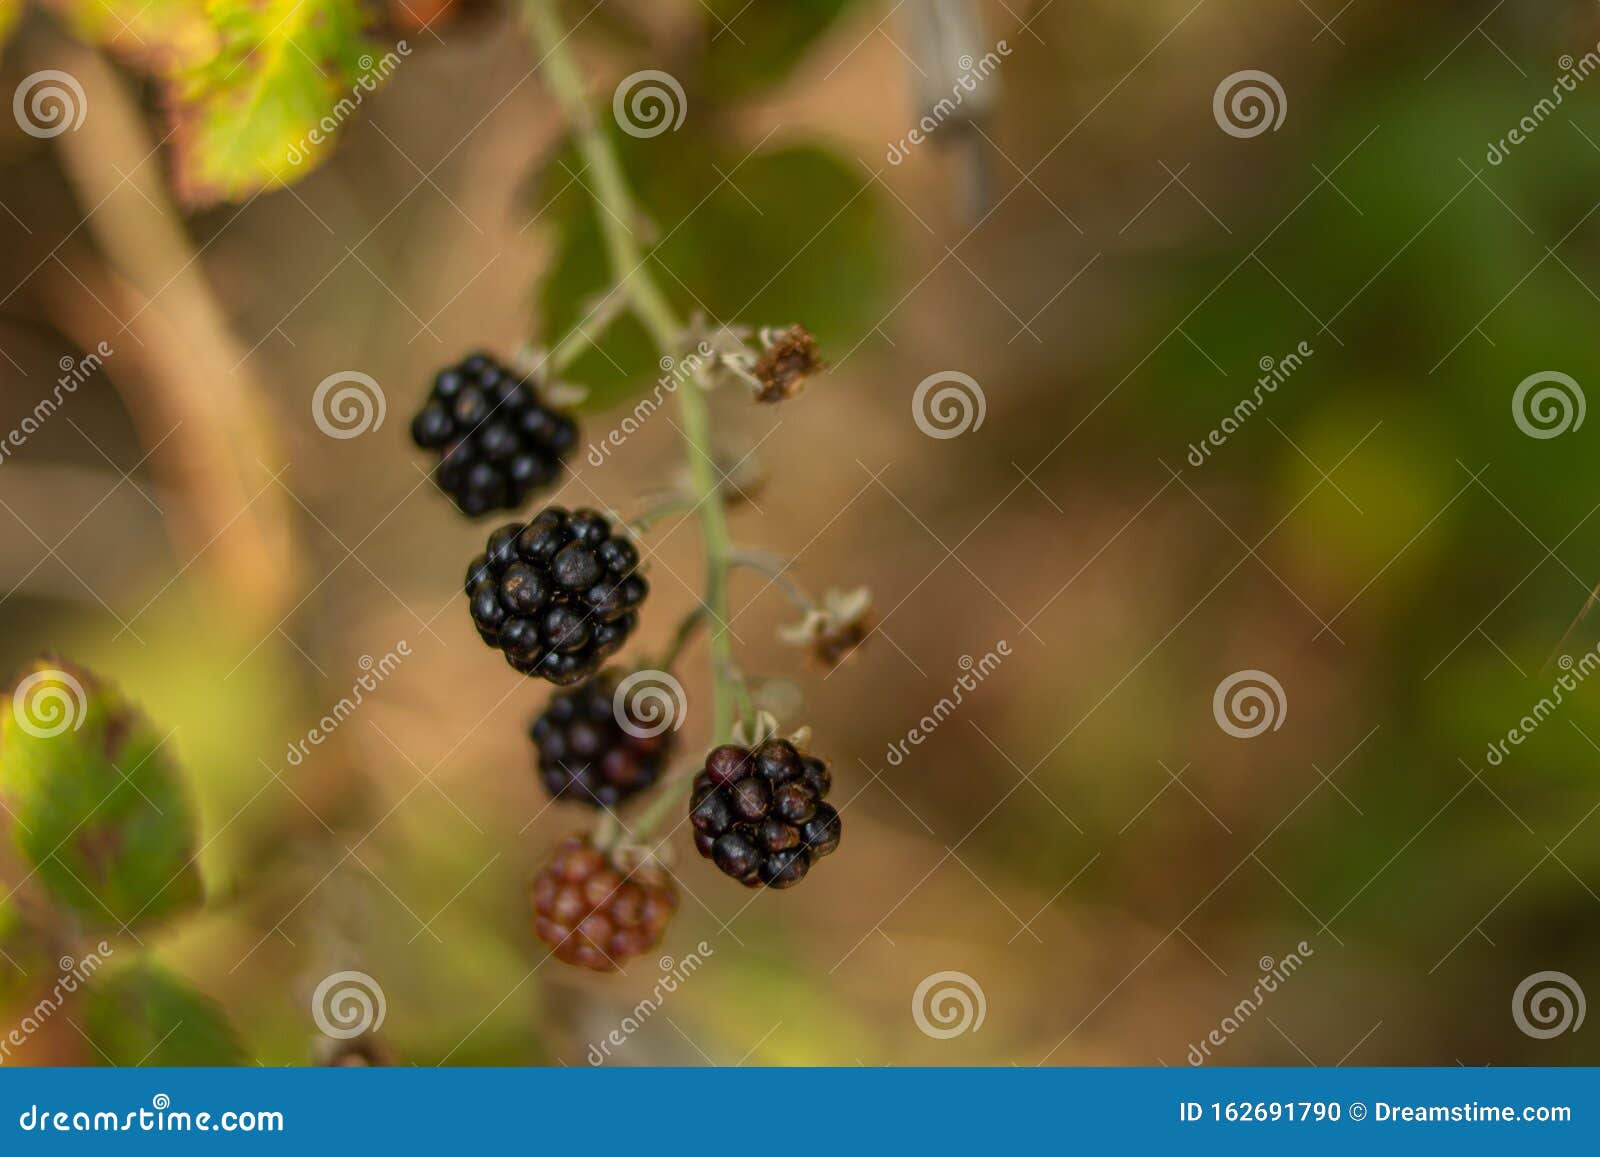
(759, 816)
(497, 442)
(586, 755)
(558, 594)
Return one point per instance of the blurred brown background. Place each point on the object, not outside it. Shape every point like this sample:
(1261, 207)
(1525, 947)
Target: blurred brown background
(1080, 837)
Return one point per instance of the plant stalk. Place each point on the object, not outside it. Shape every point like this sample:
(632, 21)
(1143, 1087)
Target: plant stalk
(615, 208)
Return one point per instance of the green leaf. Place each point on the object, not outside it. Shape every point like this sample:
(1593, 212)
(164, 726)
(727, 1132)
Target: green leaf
(266, 107)
(793, 235)
(145, 1015)
(757, 42)
(101, 811)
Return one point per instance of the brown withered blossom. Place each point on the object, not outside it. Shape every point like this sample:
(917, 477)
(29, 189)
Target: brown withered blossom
(831, 632)
(790, 358)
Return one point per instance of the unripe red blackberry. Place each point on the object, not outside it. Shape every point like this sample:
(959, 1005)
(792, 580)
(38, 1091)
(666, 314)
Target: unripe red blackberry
(592, 914)
(585, 753)
(759, 815)
(556, 595)
(497, 442)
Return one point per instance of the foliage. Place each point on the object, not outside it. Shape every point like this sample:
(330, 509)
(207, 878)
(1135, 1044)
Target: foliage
(717, 252)
(100, 812)
(254, 92)
(102, 816)
(145, 1015)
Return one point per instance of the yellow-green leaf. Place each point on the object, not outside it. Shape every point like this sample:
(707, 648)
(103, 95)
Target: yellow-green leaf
(264, 109)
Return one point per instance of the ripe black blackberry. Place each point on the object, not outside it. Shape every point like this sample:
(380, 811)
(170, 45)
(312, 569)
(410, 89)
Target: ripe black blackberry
(556, 595)
(759, 816)
(586, 755)
(497, 442)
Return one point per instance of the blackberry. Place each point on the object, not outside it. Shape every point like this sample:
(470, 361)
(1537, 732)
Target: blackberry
(586, 755)
(592, 915)
(759, 816)
(557, 594)
(497, 442)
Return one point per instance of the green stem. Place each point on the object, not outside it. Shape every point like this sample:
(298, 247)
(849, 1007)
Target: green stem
(776, 569)
(586, 334)
(669, 798)
(680, 638)
(645, 522)
(615, 205)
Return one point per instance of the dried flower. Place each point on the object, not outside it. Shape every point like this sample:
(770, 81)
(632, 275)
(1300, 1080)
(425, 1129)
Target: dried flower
(788, 360)
(835, 629)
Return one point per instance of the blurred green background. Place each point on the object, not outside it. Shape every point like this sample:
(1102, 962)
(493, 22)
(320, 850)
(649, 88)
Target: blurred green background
(1081, 839)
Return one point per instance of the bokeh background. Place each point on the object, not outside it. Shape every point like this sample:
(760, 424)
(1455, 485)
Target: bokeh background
(1080, 838)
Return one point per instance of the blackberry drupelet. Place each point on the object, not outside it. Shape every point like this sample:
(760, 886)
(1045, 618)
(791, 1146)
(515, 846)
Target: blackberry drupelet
(558, 594)
(585, 754)
(759, 816)
(591, 914)
(497, 442)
